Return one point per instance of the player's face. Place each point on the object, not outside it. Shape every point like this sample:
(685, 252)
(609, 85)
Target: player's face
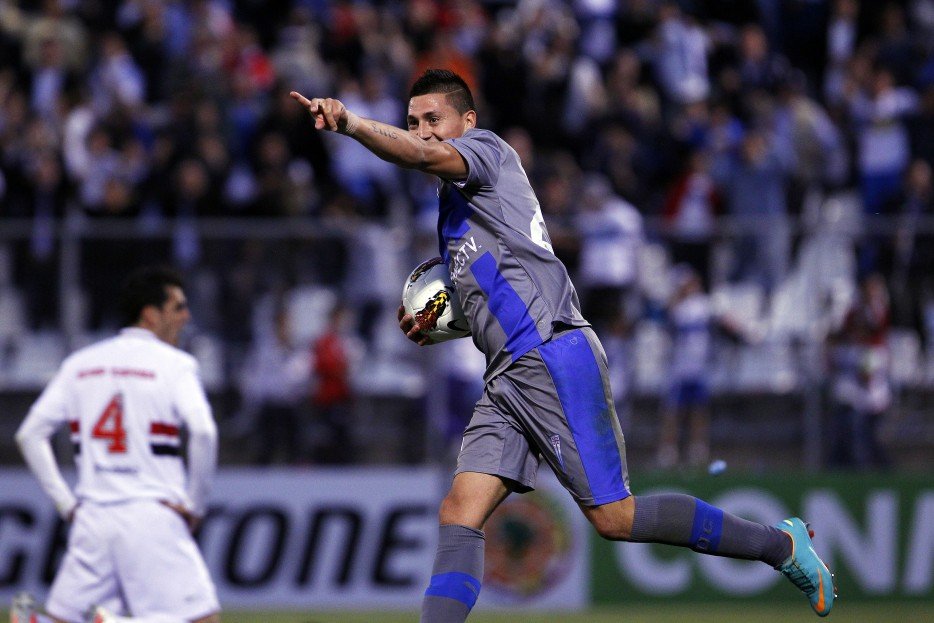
(172, 316)
(432, 118)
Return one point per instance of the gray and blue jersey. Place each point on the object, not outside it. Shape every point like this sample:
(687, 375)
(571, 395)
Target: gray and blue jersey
(512, 287)
(547, 392)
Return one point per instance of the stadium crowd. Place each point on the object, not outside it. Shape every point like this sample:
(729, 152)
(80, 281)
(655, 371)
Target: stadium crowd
(705, 134)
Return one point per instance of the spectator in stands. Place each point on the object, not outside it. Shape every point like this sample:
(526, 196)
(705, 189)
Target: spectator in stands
(296, 55)
(754, 187)
(370, 181)
(686, 407)
(116, 81)
(39, 269)
(629, 100)
(896, 49)
(557, 194)
(50, 78)
(333, 355)
(504, 77)
(815, 144)
(273, 382)
(861, 387)
(102, 164)
(681, 57)
(724, 133)
(879, 111)
(690, 212)
(759, 67)
(54, 50)
(282, 185)
(53, 21)
(304, 148)
(922, 126)
(692, 323)
(912, 276)
(842, 30)
(611, 240)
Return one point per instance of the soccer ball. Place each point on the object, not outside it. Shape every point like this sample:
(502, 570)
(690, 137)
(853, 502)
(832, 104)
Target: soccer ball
(430, 297)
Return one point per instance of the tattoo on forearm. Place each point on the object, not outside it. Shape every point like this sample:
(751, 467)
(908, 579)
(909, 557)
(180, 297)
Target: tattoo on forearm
(384, 132)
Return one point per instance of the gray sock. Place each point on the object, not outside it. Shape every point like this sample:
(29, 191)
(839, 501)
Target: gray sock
(455, 577)
(678, 519)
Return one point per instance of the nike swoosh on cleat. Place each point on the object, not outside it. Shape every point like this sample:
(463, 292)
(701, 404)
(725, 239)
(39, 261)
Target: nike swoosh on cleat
(820, 592)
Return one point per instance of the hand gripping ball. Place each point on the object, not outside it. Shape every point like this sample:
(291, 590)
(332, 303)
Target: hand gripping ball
(430, 297)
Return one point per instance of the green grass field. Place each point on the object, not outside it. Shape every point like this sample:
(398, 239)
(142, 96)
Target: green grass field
(863, 612)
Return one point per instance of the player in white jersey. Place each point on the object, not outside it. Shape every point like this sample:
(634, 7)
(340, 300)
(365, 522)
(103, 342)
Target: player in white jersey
(125, 400)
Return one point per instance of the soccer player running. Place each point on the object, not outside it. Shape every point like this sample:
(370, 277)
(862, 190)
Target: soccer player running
(546, 396)
(125, 400)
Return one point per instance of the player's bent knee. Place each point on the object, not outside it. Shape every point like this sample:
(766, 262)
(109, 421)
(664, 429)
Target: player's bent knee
(445, 511)
(612, 521)
(611, 531)
(458, 510)
(454, 511)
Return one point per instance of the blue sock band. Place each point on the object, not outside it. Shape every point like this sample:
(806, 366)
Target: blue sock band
(707, 528)
(455, 585)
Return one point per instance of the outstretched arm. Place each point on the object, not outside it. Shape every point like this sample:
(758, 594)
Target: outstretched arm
(390, 143)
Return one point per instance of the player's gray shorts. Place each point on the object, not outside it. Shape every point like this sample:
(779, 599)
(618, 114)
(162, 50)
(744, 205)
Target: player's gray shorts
(554, 402)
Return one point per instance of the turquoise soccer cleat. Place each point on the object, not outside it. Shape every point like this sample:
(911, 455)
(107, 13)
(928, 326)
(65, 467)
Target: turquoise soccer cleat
(805, 569)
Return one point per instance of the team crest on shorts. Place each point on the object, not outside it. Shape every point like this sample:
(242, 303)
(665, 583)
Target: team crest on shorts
(556, 445)
(529, 546)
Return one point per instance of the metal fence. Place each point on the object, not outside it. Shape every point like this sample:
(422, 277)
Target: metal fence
(771, 394)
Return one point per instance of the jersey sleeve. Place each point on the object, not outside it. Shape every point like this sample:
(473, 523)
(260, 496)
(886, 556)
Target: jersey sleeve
(192, 406)
(48, 413)
(483, 154)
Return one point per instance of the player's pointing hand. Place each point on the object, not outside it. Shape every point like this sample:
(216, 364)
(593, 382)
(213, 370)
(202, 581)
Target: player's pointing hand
(329, 114)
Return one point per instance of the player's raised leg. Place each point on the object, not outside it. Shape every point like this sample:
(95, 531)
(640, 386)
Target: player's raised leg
(600, 480)
(457, 573)
(682, 520)
(678, 519)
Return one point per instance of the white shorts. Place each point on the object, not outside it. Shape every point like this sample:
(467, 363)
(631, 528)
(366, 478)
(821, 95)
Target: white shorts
(135, 557)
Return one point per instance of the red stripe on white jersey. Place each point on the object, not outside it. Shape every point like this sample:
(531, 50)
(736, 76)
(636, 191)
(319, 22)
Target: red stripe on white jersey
(161, 428)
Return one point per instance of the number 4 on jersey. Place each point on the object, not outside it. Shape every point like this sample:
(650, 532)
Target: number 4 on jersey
(109, 426)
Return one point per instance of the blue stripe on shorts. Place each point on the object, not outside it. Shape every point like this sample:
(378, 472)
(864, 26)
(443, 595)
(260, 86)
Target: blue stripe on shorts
(576, 375)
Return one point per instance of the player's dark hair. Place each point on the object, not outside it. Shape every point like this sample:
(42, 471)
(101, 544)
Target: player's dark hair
(445, 81)
(144, 287)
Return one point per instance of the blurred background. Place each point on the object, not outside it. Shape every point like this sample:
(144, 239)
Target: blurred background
(741, 191)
